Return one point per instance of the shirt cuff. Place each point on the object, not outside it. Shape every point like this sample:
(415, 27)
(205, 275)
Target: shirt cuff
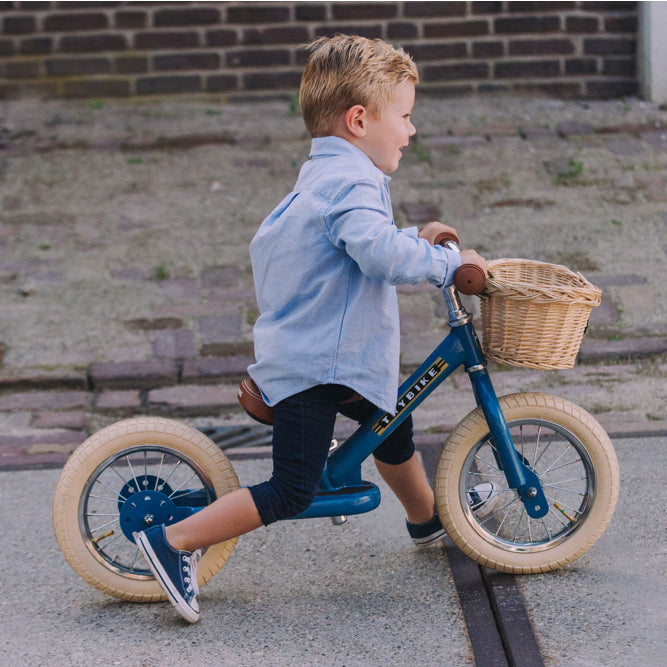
(450, 260)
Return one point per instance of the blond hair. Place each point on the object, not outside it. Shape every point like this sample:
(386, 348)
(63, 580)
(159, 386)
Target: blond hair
(346, 70)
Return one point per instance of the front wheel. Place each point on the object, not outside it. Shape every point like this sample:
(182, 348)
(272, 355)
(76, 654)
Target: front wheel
(577, 467)
(125, 478)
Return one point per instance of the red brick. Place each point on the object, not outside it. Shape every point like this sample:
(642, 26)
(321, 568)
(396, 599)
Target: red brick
(44, 400)
(614, 46)
(6, 47)
(272, 80)
(192, 400)
(74, 22)
(457, 29)
(305, 12)
(69, 420)
(480, 7)
(520, 68)
(130, 19)
(131, 65)
(539, 6)
(186, 61)
(173, 344)
(422, 52)
(18, 25)
(276, 35)
(92, 43)
(258, 58)
(18, 443)
(120, 402)
(96, 88)
(36, 45)
(581, 24)
(221, 83)
(531, 47)
(402, 30)
(186, 16)
(133, 374)
(370, 31)
(222, 38)
(611, 89)
(207, 370)
(581, 66)
(73, 66)
(621, 24)
(434, 73)
(363, 10)
(619, 67)
(23, 70)
(593, 350)
(419, 9)
(159, 85)
(526, 24)
(250, 13)
(166, 40)
(488, 49)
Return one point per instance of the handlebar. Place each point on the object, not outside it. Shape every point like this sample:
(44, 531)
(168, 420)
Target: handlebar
(468, 278)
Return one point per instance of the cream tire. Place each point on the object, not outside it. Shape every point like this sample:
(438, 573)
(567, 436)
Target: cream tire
(90, 495)
(577, 466)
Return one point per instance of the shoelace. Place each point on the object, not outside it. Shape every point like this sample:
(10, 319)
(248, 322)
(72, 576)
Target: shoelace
(190, 568)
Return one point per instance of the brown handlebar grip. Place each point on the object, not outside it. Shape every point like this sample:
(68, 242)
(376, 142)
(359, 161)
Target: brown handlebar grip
(469, 279)
(443, 237)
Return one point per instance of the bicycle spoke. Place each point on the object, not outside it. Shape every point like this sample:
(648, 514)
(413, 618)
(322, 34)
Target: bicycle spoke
(134, 477)
(560, 456)
(103, 526)
(183, 483)
(544, 451)
(159, 472)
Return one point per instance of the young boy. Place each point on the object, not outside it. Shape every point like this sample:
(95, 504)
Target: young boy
(325, 265)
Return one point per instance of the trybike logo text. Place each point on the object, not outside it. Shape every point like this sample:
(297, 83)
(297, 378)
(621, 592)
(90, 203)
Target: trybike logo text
(409, 396)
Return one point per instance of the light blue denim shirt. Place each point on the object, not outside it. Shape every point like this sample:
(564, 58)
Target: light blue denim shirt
(325, 265)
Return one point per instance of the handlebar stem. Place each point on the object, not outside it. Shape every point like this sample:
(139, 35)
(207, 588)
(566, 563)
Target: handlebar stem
(458, 315)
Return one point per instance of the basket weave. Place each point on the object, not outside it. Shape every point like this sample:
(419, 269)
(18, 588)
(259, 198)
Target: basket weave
(534, 314)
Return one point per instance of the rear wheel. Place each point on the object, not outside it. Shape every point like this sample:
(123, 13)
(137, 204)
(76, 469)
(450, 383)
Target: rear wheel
(577, 467)
(127, 477)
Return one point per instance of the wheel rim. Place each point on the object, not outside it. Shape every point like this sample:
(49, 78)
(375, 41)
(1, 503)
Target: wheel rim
(132, 490)
(566, 473)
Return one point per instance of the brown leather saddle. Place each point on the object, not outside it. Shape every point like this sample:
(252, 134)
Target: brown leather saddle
(252, 401)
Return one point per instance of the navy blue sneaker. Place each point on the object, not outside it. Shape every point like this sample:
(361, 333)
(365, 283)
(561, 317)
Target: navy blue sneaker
(175, 571)
(425, 534)
(481, 499)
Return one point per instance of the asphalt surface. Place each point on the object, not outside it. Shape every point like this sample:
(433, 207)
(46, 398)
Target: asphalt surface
(359, 594)
(126, 289)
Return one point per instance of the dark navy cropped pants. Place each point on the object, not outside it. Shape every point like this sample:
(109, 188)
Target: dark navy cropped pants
(302, 430)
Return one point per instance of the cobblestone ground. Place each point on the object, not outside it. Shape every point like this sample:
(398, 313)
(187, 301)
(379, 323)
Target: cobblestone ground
(125, 277)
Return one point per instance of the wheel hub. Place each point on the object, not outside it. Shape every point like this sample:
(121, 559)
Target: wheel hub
(141, 509)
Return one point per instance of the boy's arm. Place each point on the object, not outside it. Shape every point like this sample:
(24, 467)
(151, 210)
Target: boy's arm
(358, 223)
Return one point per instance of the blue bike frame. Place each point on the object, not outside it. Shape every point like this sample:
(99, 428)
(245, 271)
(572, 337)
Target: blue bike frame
(344, 492)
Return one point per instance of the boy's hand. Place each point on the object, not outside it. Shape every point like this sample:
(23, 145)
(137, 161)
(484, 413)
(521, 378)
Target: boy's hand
(432, 230)
(471, 257)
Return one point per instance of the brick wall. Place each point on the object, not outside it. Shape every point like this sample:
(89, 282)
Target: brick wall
(121, 49)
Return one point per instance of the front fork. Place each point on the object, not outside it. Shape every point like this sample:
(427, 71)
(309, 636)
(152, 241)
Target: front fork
(519, 475)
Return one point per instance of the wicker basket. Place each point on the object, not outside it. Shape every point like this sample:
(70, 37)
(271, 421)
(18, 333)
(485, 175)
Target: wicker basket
(534, 314)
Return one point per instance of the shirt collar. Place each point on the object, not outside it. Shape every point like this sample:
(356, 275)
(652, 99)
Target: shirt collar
(330, 146)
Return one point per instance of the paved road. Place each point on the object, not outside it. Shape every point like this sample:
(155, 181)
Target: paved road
(314, 594)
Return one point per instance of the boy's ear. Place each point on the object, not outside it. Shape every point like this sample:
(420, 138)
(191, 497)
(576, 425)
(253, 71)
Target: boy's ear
(355, 120)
